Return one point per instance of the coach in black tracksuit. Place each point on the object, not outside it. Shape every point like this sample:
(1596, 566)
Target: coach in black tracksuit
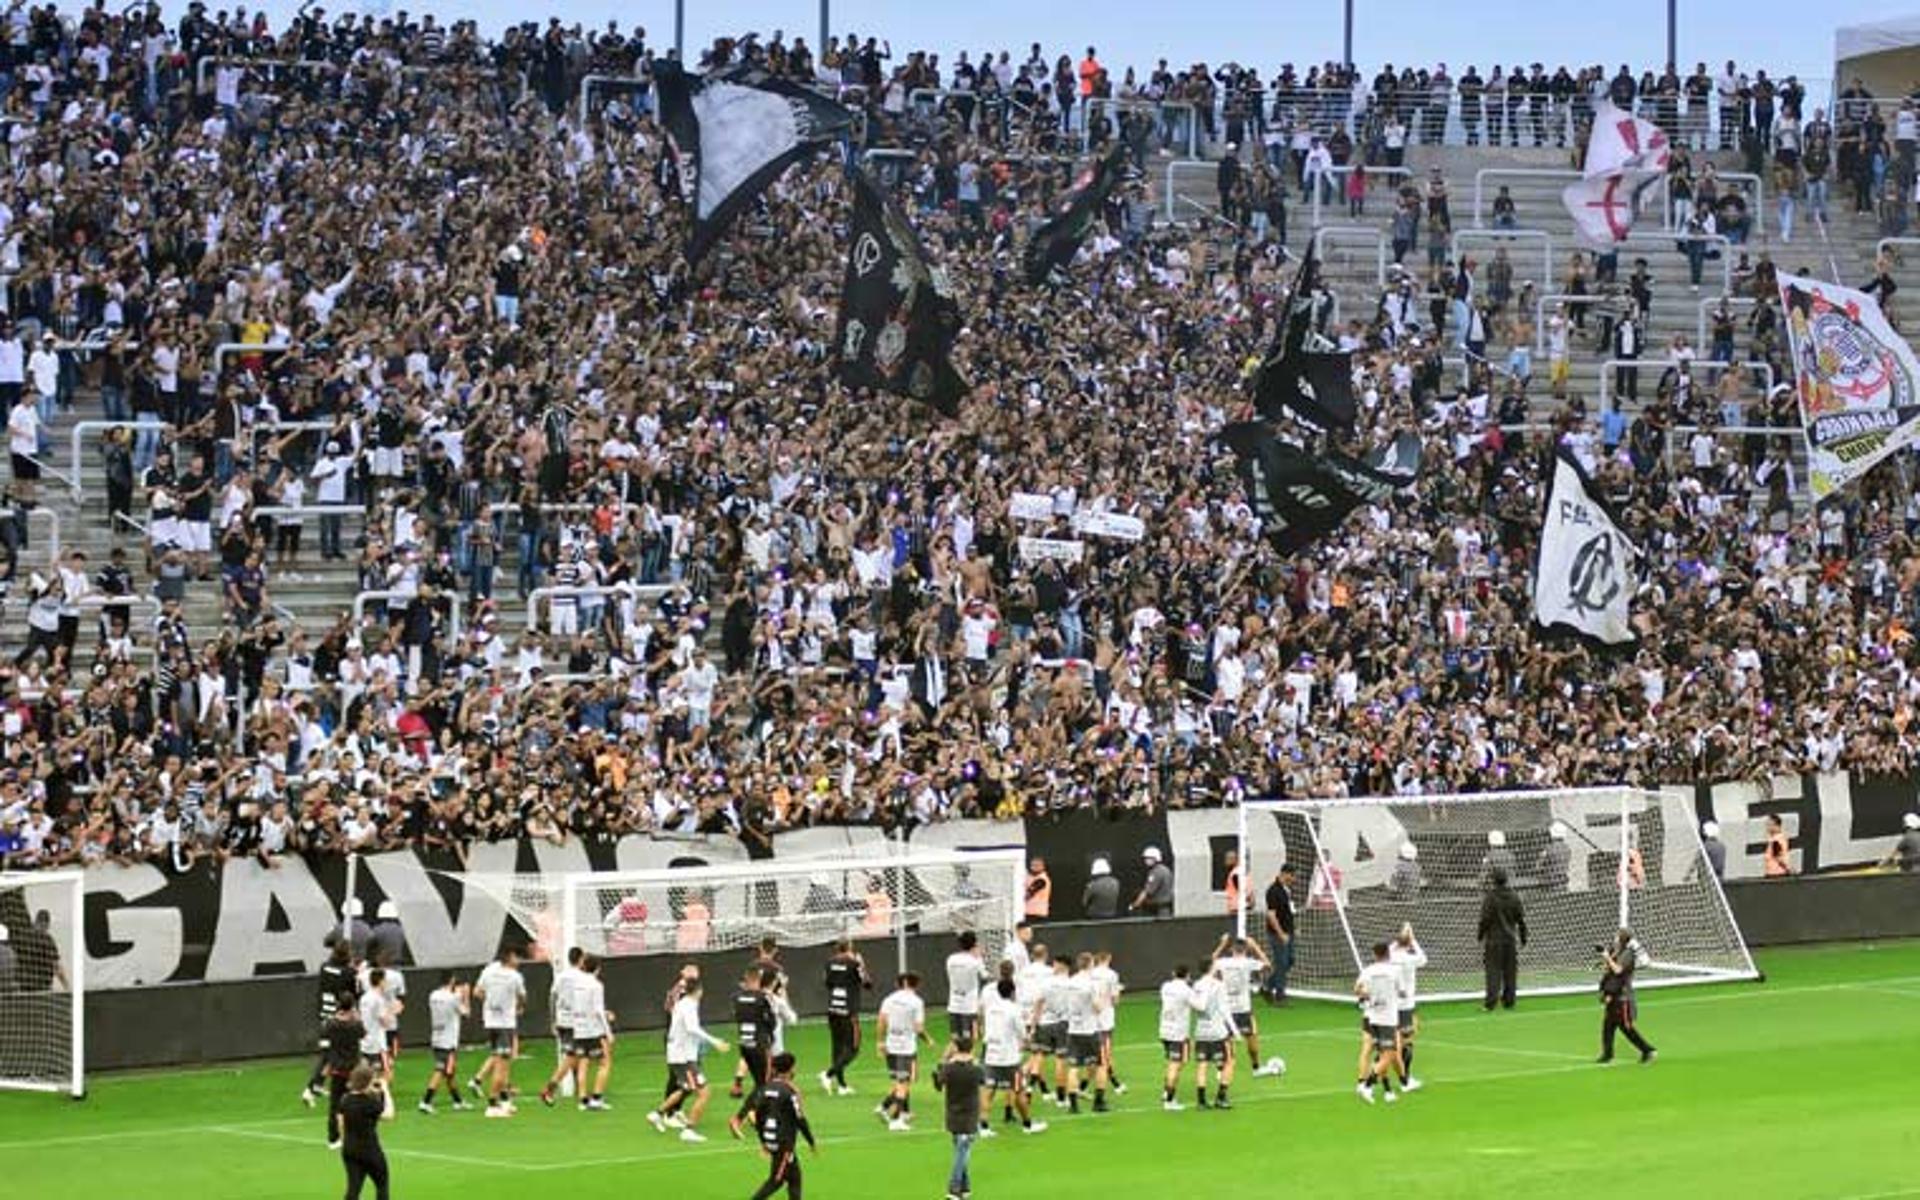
(1503, 930)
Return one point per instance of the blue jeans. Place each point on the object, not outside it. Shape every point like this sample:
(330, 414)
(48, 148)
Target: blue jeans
(146, 440)
(1282, 955)
(113, 402)
(957, 1182)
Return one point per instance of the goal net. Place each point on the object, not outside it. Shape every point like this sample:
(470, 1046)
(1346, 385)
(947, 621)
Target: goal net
(700, 910)
(42, 967)
(1584, 864)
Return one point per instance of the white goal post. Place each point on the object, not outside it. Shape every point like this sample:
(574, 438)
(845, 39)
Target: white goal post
(1583, 862)
(43, 1028)
(692, 910)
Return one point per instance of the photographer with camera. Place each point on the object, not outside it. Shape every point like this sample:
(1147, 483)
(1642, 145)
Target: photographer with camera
(1621, 960)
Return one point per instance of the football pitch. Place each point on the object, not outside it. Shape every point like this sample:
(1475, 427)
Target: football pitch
(1801, 1086)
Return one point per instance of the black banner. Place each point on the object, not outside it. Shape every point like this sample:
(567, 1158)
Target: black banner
(897, 317)
(1314, 384)
(145, 925)
(1053, 244)
(1301, 498)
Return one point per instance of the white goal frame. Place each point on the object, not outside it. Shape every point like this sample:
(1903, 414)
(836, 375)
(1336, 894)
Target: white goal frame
(776, 870)
(74, 960)
(1307, 860)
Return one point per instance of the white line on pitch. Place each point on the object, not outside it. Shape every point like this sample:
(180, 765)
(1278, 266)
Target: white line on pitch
(398, 1151)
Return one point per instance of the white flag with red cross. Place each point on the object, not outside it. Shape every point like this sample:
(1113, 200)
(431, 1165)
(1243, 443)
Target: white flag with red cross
(1621, 141)
(1603, 209)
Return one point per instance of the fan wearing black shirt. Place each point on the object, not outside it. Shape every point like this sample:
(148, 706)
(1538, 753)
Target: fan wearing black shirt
(753, 1013)
(366, 1104)
(344, 1033)
(846, 978)
(775, 1108)
(338, 989)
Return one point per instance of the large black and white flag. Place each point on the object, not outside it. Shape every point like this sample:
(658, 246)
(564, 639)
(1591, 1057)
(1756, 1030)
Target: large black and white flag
(1301, 373)
(1053, 245)
(1585, 575)
(898, 318)
(736, 130)
(1301, 498)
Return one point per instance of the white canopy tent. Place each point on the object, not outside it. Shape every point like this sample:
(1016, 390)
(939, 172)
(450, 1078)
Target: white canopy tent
(1884, 55)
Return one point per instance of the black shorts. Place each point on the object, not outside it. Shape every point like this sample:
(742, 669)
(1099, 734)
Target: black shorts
(1176, 1051)
(446, 1060)
(1050, 1039)
(1243, 1024)
(500, 1042)
(588, 1047)
(1385, 1037)
(376, 1061)
(1003, 1077)
(25, 468)
(1211, 1052)
(563, 1035)
(756, 1059)
(1406, 1022)
(961, 1025)
(1083, 1049)
(687, 1077)
(900, 1067)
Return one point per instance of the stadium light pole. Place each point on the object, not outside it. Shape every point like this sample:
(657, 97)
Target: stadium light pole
(680, 30)
(1346, 40)
(826, 8)
(1673, 34)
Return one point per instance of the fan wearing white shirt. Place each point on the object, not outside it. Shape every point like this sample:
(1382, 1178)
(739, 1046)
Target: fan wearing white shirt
(1176, 1035)
(1379, 991)
(503, 997)
(686, 1038)
(900, 1027)
(1407, 957)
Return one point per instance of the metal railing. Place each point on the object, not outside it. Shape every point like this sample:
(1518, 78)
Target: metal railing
(1355, 233)
(1162, 111)
(1887, 243)
(1497, 236)
(269, 66)
(1725, 257)
(226, 350)
(72, 481)
(456, 627)
(650, 592)
(1187, 166)
(584, 107)
(1338, 186)
(1660, 365)
(1757, 209)
(53, 530)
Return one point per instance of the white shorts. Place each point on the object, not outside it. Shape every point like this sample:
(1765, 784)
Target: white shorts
(164, 531)
(386, 461)
(195, 537)
(564, 618)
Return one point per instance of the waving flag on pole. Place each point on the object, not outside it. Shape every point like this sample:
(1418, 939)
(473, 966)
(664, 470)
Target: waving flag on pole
(1584, 576)
(1626, 156)
(1856, 380)
(736, 130)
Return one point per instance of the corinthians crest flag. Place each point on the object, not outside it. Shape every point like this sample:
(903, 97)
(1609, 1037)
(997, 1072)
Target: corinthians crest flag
(1585, 576)
(1856, 381)
(897, 317)
(737, 129)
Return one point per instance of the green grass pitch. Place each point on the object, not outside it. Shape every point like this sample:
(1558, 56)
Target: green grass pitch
(1798, 1087)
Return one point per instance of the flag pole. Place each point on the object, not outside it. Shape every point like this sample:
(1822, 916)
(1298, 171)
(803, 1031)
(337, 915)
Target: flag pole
(1673, 34)
(1346, 41)
(680, 30)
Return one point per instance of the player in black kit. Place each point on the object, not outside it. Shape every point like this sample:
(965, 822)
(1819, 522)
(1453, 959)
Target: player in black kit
(339, 988)
(775, 1109)
(753, 1013)
(846, 978)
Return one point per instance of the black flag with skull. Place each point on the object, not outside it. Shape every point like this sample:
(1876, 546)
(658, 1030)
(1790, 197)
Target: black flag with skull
(898, 318)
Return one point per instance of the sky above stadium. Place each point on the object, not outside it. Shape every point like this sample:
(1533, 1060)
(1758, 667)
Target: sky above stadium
(1785, 37)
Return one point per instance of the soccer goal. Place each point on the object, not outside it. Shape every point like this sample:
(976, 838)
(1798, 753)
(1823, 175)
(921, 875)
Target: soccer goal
(1584, 863)
(881, 898)
(42, 983)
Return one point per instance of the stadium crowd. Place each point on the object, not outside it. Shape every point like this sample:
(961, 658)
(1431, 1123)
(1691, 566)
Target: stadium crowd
(814, 606)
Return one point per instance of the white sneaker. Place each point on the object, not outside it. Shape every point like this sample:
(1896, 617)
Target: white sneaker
(1036, 1127)
(988, 1133)
(1119, 1089)
(428, 1109)
(1172, 1106)
(898, 1125)
(592, 1105)
(306, 1097)
(1393, 1097)
(1365, 1093)
(692, 1135)
(847, 1090)
(1412, 1084)
(498, 1110)
(333, 1145)
(511, 1107)
(658, 1122)
(826, 1084)
(677, 1121)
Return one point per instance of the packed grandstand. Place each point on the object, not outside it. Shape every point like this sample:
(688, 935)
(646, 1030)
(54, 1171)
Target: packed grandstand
(410, 487)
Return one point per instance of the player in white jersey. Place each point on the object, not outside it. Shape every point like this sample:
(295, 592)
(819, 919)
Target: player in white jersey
(560, 1004)
(1030, 984)
(1379, 991)
(503, 997)
(1083, 1037)
(1176, 1034)
(686, 1038)
(1050, 1031)
(1212, 1036)
(1005, 1028)
(1240, 961)
(900, 1027)
(446, 1007)
(1106, 982)
(1407, 958)
(1016, 949)
(966, 976)
(592, 1035)
(375, 1021)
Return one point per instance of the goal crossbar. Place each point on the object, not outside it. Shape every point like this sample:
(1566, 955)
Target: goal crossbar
(1584, 862)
